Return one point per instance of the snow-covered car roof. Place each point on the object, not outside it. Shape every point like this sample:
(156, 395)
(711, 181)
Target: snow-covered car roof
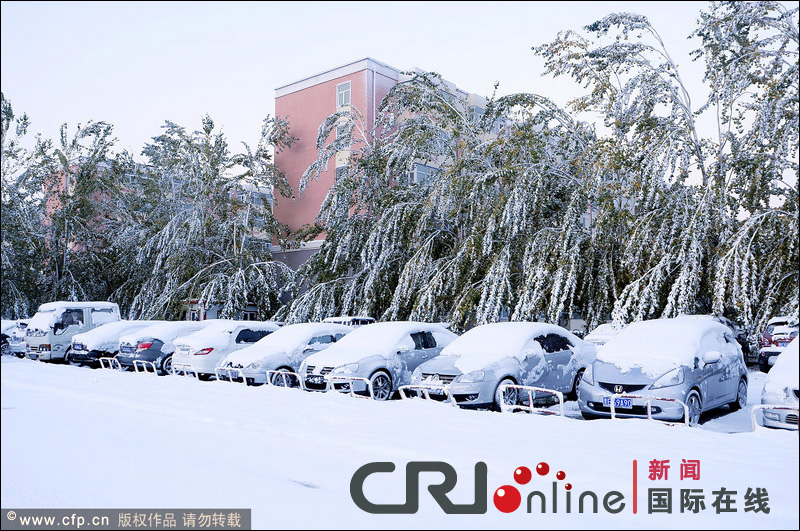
(286, 340)
(501, 339)
(106, 337)
(490, 343)
(658, 345)
(165, 331)
(786, 319)
(217, 334)
(376, 338)
(785, 374)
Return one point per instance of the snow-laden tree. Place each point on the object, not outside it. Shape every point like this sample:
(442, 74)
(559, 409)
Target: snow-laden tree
(202, 230)
(57, 198)
(713, 217)
(505, 201)
(23, 205)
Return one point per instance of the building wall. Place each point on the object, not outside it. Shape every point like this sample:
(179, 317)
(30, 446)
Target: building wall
(306, 104)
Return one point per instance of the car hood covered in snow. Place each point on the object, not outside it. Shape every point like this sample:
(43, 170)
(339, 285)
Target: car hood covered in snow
(654, 347)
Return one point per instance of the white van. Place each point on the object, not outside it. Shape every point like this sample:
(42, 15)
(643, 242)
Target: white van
(50, 331)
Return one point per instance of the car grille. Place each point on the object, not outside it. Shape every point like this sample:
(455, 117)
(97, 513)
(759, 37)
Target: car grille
(791, 418)
(626, 388)
(326, 370)
(310, 369)
(445, 379)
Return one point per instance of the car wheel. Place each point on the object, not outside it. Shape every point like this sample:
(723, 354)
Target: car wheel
(695, 405)
(764, 366)
(5, 349)
(573, 395)
(511, 396)
(381, 386)
(283, 381)
(741, 397)
(67, 358)
(166, 365)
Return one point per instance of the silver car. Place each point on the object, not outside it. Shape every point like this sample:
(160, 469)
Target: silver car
(671, 363)
(380, 355)
(781, 389)
(479, 363)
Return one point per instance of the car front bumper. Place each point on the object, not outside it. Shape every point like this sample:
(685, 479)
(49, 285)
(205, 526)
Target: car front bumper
(590, 401)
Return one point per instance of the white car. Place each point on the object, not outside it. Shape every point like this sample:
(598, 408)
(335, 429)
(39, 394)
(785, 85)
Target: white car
(781, 389)
(283, 350)
(201, 351)
(382, 355)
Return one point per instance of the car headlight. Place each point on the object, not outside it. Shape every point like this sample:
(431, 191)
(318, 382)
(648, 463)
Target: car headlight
(673, 377)
(588, 375)
(349, 368)
(472, 377)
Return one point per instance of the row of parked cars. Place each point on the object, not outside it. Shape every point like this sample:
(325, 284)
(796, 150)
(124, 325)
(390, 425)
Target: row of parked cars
(666, 369)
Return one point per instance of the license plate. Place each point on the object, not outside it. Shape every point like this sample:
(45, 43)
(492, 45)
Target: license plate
(316, 379)
(623, 403)
(127, 349)
(782, 343)
(436, 391)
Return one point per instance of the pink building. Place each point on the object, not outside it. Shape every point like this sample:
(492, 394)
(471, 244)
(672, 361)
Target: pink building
(306, 104)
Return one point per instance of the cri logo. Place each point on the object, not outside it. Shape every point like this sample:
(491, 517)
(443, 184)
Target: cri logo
(507, 498)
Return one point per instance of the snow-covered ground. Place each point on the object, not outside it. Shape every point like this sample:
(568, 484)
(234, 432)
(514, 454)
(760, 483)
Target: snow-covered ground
(74, 437)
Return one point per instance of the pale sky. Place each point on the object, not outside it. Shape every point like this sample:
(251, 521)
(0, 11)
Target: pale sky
(137, 64)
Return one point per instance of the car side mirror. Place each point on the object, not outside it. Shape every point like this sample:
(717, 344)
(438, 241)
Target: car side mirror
(711, 356)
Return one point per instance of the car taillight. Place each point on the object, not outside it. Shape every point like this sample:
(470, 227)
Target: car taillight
(203, 352)
(144, 346)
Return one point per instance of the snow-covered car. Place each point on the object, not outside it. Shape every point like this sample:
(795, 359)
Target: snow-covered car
(780, 336)
(750, 356)
(201, 351)
(694, 361)
(50, 330)
(348, 320)
(384, 354)
(103, 341)
(602, 333)
(283, 350)
(480, 362)
(782, 388)
(156, 343)
(12, 337)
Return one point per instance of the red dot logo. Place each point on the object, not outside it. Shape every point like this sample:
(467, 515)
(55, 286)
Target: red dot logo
(507, 499)
(542, 469)
(522, 475)
(568, 486)
(561, 475)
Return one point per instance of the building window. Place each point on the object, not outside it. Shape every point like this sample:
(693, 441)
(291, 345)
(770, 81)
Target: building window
(422, 174)
(248, 315)
(341, 173)
(343, 95)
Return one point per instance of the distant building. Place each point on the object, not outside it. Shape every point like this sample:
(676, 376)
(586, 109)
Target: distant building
(306, 104)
